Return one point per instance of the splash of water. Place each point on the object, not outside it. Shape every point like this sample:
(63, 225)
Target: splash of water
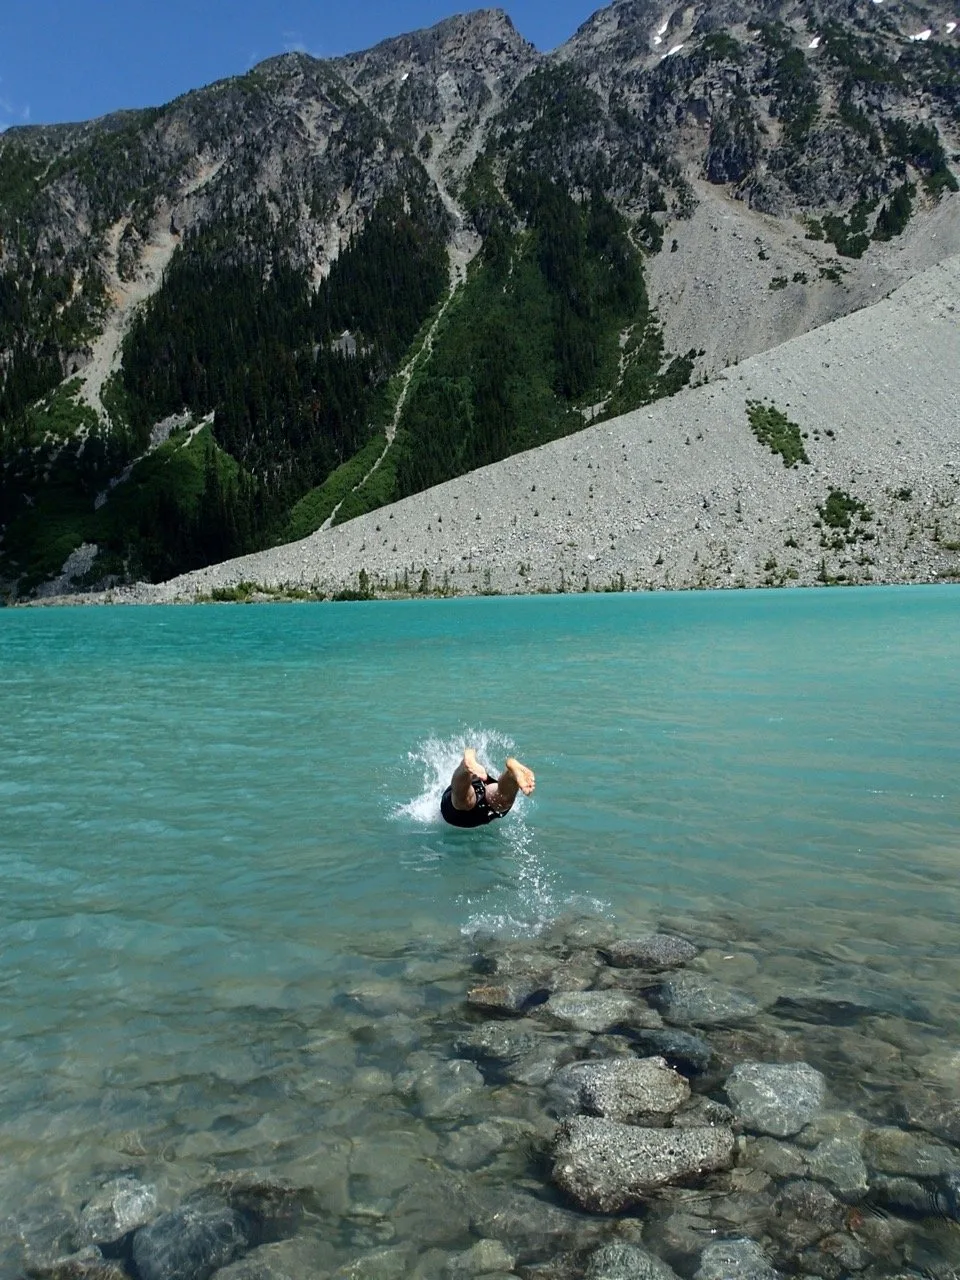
(438, 757)
(525, 902)
(527, 896)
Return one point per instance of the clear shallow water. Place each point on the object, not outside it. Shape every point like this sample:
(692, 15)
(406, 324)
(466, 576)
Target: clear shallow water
(216, 819)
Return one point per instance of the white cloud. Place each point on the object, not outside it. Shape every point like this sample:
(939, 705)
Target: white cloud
(11, 113)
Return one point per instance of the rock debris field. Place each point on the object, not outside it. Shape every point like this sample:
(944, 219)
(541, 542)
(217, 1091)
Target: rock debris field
(580, 1104)
(681, 494)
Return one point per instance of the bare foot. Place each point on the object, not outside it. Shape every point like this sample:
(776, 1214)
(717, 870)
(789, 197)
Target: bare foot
(522, 775)
(472, 764)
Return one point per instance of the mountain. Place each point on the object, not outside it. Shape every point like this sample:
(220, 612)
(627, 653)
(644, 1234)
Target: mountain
(832, 458)
(307, 292)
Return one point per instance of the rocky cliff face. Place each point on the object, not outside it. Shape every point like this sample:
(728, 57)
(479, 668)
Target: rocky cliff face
(824, 131)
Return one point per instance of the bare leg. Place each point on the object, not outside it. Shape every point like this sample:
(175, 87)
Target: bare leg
(515, 777)
(462, 794)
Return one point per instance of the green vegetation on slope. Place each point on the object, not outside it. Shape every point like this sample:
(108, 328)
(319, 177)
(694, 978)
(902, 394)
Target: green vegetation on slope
(533, 335)
(183, 506)
(774, 429)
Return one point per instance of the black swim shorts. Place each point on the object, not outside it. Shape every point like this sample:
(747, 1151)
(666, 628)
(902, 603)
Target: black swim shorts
(478, 816)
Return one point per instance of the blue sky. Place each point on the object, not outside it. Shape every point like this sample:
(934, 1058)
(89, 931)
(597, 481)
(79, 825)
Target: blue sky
(63, 60)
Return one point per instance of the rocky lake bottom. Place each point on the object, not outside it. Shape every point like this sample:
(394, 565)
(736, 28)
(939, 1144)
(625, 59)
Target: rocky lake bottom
(702, 1098)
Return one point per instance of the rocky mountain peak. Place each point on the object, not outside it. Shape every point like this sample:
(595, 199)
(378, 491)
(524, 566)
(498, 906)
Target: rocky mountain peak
(483, 33)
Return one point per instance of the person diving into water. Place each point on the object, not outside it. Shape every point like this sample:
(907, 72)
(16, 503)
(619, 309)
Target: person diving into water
(473, 798)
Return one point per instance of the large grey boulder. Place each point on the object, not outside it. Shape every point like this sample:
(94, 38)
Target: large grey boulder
(734, 1260)
(605, 1166)
(190, 1243)
(775, 1098)
(631, 1090)
(653, 951)
(597, 1011)
(626, 1262)
(688, 998)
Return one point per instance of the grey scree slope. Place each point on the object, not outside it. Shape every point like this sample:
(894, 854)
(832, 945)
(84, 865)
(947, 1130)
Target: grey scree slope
(681, 494)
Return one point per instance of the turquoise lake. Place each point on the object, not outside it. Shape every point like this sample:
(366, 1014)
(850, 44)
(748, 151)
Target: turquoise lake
(217, 820)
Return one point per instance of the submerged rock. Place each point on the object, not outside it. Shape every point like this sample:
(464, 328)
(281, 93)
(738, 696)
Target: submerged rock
(700, 1111)
(654, 951)
(521, 1051)
(443, 1089)
(778, 1159)
(804, 1213)
(734, 1260)
(391, 1263)
(834, 1256)
(117, 1208)
(905, 1195)
(190, 1243)
(511, 998)
(925, 1109)
(842, 1005)
(892, 1150)
(838, 1162)
(681, 1236)
(605, 1166)
(42, 1231)
(775, 1098)
(485, 1257)
(688, 1053)
(631, 1090)
(474, 1145)
(597, 1011)
(529, 1226)
(272, 1209)
(626, 1262)
(303, 1255)
(88, 1264)
(499, 1042)
(690, 998)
